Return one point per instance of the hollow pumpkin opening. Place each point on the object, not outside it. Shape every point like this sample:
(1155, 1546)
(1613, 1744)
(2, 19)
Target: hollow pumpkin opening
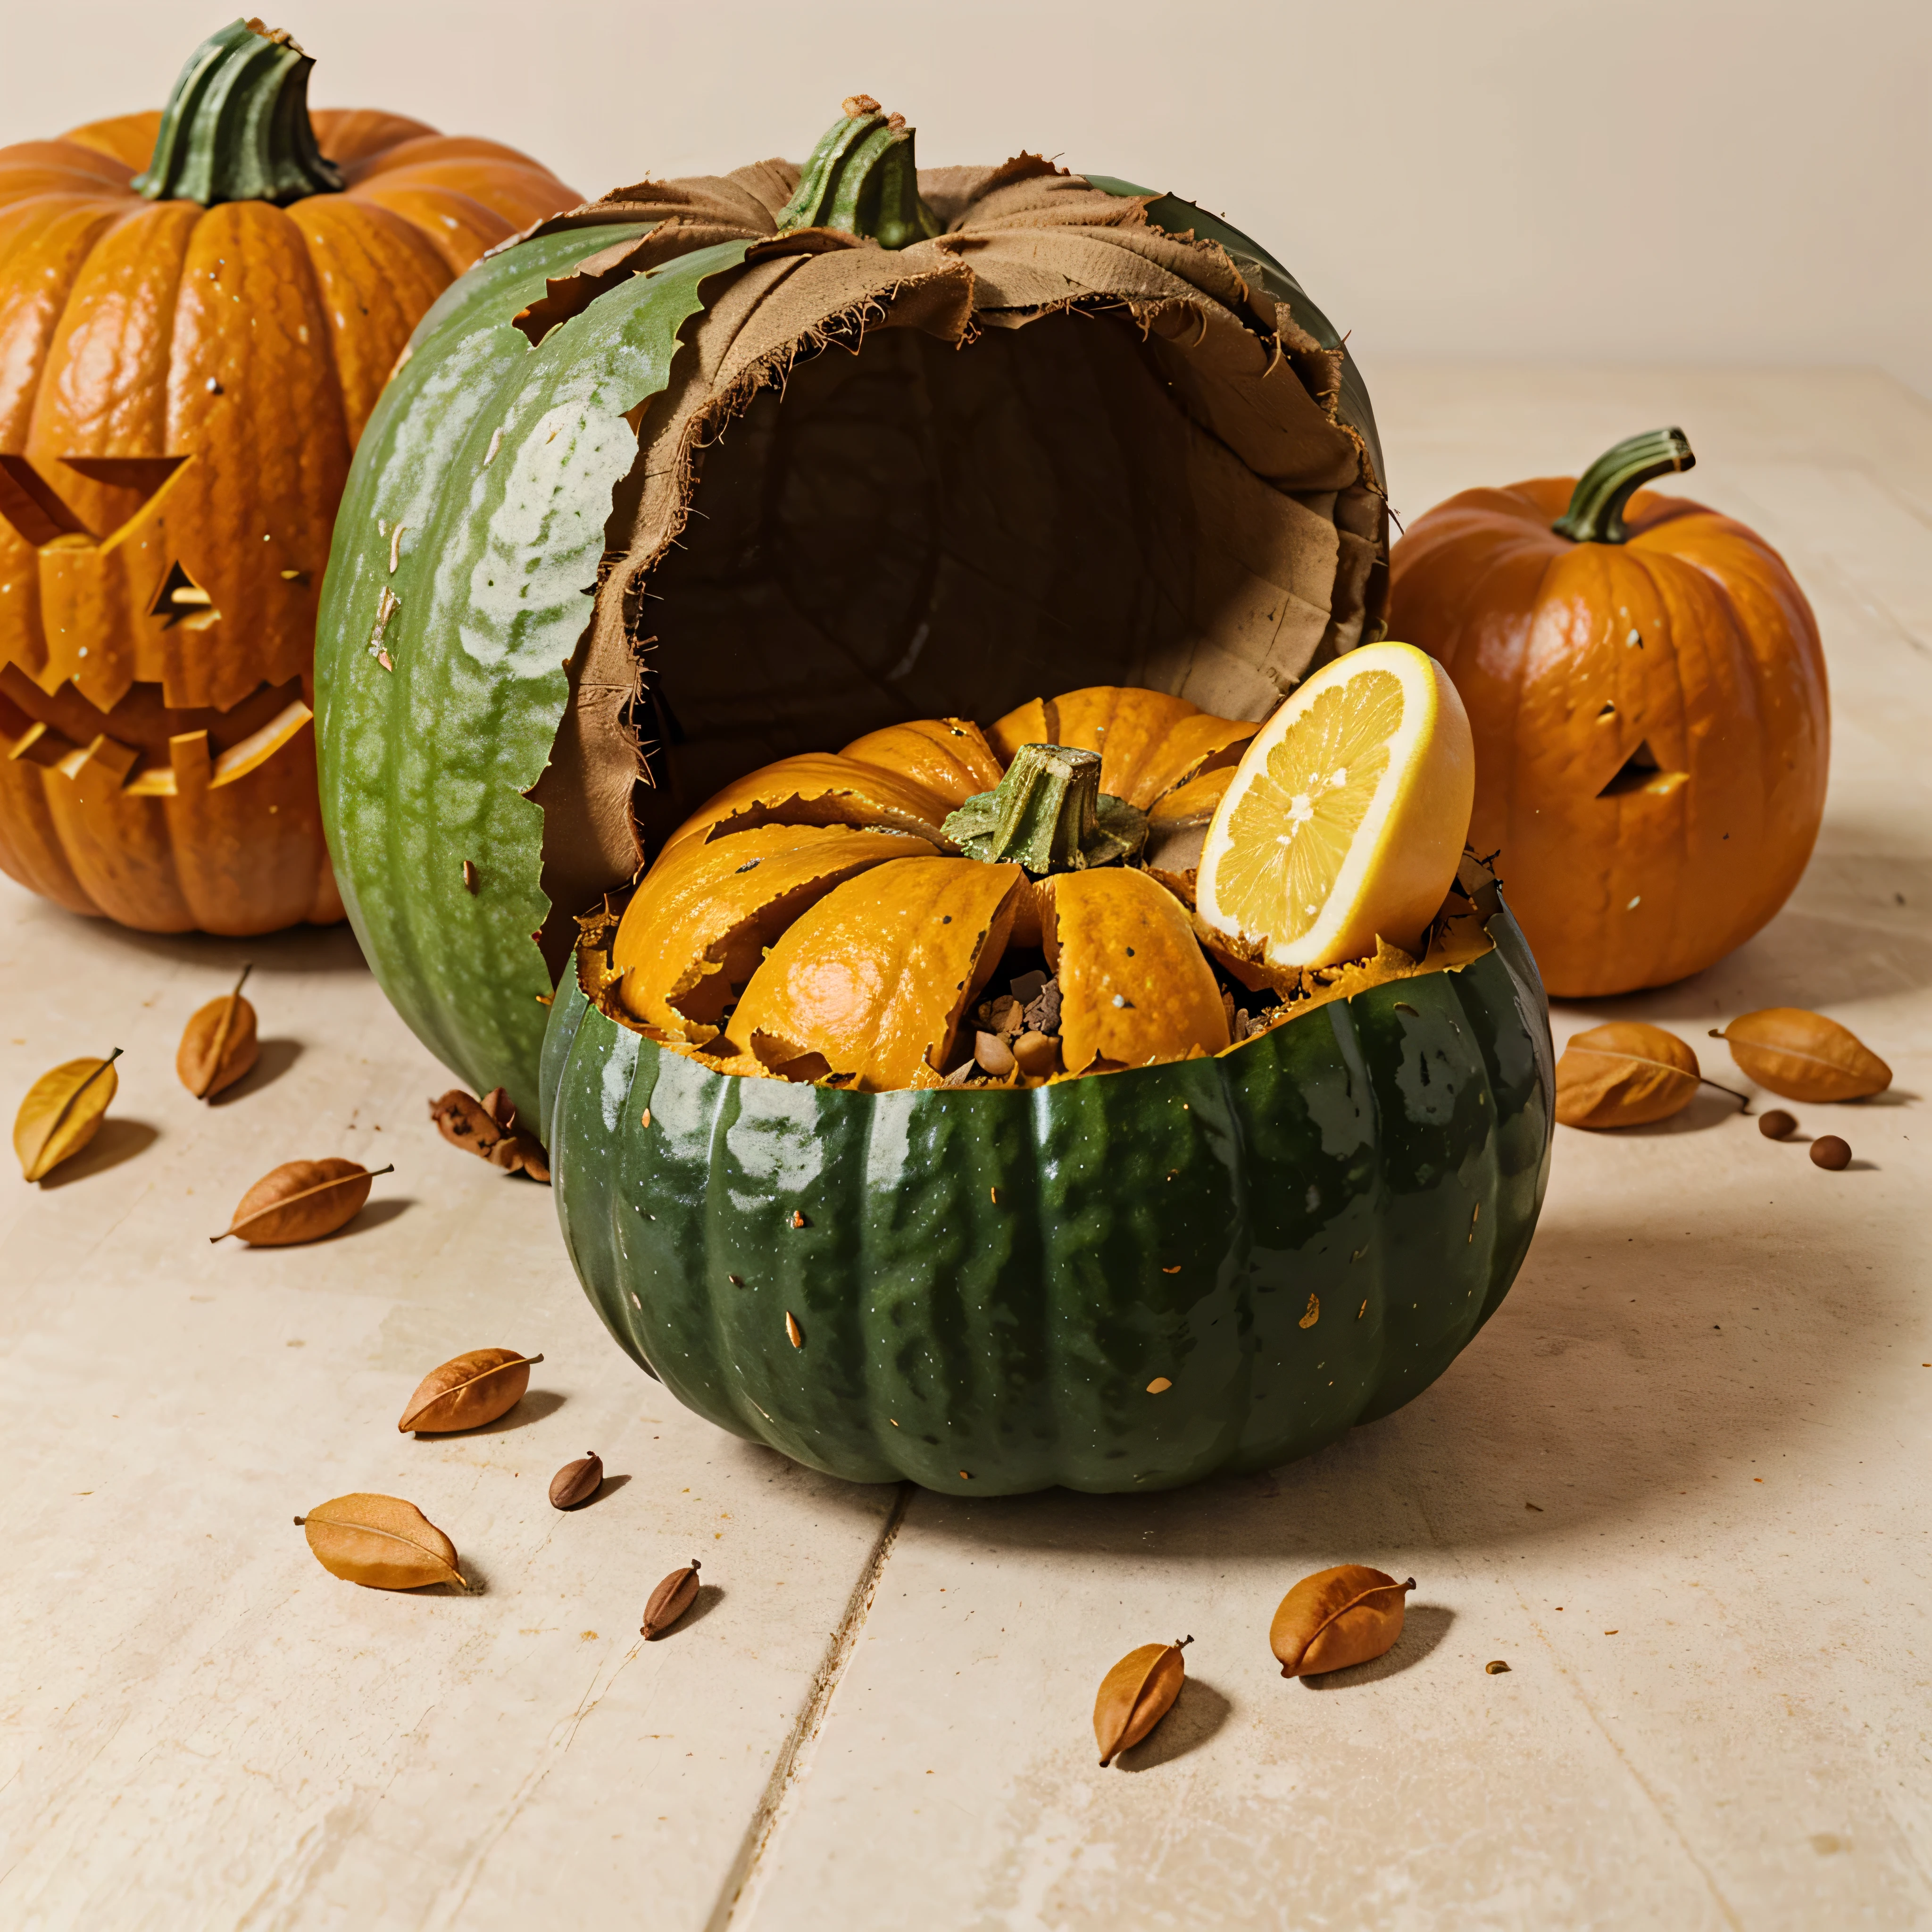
(906, 526)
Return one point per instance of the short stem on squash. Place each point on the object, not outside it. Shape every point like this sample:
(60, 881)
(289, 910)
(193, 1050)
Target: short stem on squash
(1596, 511)
(236, 128)
(1048, 814)
(862, 178)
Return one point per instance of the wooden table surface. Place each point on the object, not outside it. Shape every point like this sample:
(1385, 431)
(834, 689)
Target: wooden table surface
(1678, 1483)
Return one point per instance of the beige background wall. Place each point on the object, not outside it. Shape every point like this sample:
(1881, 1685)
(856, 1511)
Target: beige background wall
(1702, 181)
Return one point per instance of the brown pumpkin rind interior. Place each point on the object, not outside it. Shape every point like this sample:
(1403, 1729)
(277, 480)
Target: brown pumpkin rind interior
(855, 953)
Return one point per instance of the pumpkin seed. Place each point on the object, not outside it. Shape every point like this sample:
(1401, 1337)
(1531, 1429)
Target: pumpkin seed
(1829, 1151)
(994, 1056)
(1136, 1694)
(670, 1601)
(218, 1045)
(468, 1390)
(1037, 1054)
(301, 1200)
(576, 1483)
(1803, 1056)
(1337, 1617)
(380, 1542)
(62, 1111)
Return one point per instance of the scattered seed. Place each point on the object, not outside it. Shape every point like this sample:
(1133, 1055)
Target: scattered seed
(1038, 1054)
(576, 1482)
(647, 1121)
(468, 1390)
(1136, 1694)
(1159, 1386)
(469, 876)
(301, 1200)
(1174, 1269)
(1777, 1125)
(798, 1220)
(1495, 1666)
(792, 1329)
(1337, 1617)
(670, 1601)
(1313, 1314)
(1829, 1151)
(994, 1057)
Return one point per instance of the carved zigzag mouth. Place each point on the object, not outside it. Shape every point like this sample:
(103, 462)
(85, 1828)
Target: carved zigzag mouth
(147, 750)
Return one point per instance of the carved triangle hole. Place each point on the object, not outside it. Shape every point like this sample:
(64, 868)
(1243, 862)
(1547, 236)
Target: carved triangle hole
(144, 473)
(1640, 772)
(34, 507)
(182, 601)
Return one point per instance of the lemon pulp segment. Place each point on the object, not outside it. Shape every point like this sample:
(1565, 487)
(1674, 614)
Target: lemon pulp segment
(1345, 817)
(1292, 828)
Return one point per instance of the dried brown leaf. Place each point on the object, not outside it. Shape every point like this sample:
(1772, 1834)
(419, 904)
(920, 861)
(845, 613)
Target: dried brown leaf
(670, 1600)
(488, 1128)
(218, 1044)
(576, 1482)
(1803, 1056)
(63, 1111)
(468, 1390)
(1337, 1617)
(1626, 1075)
(380, 1541)
(301, 1200)
(1136, 1694)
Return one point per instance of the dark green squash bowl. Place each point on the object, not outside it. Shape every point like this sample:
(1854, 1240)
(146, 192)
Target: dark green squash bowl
(1132, 1280)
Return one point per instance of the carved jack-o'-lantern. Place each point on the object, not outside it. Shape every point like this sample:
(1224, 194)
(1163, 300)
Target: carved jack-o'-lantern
(187, 356)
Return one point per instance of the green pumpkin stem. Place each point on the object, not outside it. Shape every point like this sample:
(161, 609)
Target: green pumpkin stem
(236, 128)
(862, 177)
(1596, 511)
(1048, 814)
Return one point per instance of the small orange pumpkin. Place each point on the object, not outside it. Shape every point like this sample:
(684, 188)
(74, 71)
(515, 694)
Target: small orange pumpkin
(815, 920)
(187, 356)
(1646, 687)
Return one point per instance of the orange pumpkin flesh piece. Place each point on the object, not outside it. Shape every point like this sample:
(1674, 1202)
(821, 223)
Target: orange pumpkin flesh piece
(181, 383)
(870, 984)
(1148, 742)
(694, 933)
(1651, 722)
(949, 756)
(1133, 985)
(817, 788)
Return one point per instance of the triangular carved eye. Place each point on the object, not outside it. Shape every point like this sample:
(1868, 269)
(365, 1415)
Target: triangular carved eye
(181, 600)
(1640, 772)
(37, 509)
(33, 506)
(144, 473)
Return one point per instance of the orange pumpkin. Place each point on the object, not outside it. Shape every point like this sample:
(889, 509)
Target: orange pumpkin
(187, 358)
(815, 920)
(1647, 692)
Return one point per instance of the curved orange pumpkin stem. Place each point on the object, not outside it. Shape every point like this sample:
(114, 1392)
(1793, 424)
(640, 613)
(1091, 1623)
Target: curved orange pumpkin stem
(1596, 511)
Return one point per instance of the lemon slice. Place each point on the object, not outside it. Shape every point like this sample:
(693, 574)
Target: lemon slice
(1346, 816)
